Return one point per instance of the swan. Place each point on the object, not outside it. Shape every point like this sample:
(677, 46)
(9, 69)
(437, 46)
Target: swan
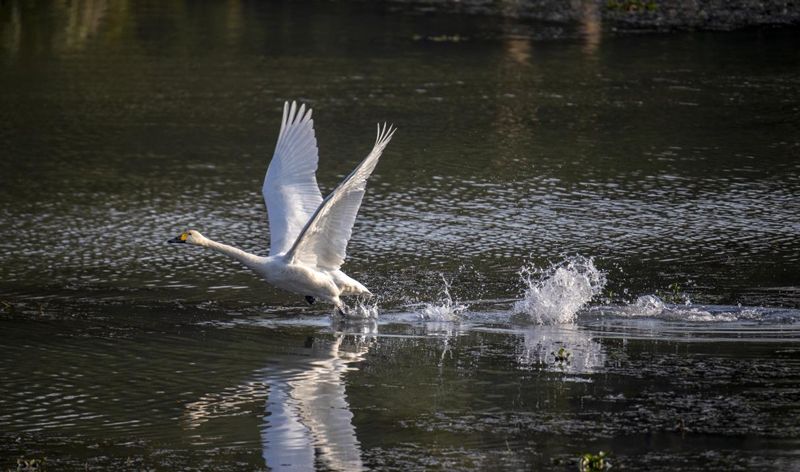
(308, 235)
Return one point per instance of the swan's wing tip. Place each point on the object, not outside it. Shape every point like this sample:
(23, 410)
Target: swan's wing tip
(385, 132)
(292, 115)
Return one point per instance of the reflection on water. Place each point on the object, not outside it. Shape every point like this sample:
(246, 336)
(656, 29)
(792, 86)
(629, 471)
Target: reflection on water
(308, 416)
(288, 388)
(519, 49)
(591, 27)
(308, 419)
(565, 348)
(65, 28)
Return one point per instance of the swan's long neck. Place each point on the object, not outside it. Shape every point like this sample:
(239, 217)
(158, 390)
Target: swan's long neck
(250, 260)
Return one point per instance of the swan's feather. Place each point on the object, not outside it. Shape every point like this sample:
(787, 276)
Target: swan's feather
(290, 187)
(323, 241)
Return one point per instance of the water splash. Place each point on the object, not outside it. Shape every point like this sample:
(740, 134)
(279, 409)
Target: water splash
(648, 305)
(555, 295)
(445, 309)
(364, 309)
(651, 306)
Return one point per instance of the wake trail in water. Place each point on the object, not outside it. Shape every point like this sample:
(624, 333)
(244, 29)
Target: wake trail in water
(653, 307)
(554, 295)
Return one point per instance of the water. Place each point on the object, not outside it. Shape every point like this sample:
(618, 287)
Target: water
(556, 294)
(644, 186)
(445, 308)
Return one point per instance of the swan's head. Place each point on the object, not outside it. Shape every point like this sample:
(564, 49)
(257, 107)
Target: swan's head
(190, 237)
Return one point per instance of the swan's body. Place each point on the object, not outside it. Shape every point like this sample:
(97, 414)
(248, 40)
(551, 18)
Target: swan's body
(308, 235)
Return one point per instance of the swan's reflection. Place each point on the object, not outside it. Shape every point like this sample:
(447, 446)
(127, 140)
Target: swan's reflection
(565, 348)
(308, 417)
(308, 421)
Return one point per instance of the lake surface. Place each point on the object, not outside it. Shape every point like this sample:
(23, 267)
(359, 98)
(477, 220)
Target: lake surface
(580, 240)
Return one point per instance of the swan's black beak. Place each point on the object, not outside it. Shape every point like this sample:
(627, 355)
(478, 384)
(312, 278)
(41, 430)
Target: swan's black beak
(177, 240)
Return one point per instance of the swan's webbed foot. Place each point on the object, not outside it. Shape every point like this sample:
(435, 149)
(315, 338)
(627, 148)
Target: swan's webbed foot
(311, 300)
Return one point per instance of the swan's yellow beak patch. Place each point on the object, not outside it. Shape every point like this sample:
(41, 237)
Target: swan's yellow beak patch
(179, 239)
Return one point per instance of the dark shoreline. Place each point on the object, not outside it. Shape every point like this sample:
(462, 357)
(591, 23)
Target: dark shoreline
(660, 15)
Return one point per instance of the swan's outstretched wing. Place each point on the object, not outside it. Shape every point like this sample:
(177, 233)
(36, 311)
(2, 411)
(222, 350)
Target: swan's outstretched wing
(290, 187)
(323, 241)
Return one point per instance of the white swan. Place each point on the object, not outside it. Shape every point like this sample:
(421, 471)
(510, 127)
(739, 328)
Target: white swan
(308, 235)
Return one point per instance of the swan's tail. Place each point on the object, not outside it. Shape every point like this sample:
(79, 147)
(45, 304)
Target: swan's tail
(348, 285)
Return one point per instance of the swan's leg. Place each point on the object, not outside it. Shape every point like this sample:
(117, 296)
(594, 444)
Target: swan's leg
(310, 299)
(341, 307)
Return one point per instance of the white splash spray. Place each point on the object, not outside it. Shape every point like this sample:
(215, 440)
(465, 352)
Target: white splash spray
(651, 306)
(648, 305)
(364, 309)
(555, 295)
(445, 309)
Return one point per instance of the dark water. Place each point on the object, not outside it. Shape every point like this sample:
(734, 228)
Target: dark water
(671, 159)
